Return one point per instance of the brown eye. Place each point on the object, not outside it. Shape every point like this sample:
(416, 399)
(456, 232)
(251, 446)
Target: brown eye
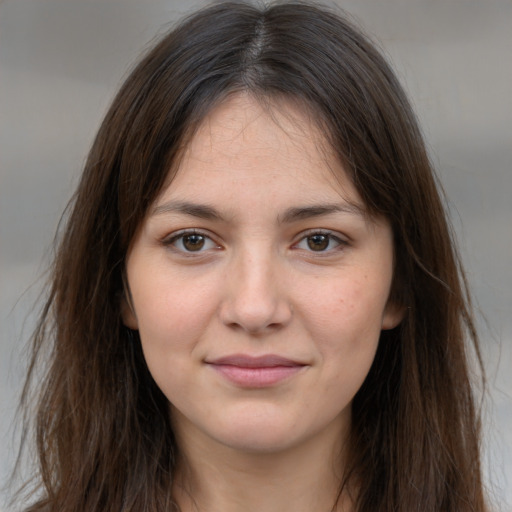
(193, 242)
(318, 242)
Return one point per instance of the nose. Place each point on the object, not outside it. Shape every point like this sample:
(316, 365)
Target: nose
(256, 299)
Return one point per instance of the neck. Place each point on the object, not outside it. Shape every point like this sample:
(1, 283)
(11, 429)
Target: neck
(211, 477)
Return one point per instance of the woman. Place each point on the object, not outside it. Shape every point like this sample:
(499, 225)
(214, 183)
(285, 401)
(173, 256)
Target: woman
(256, 304)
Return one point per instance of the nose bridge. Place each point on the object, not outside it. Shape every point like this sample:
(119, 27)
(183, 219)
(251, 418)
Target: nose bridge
(256, 272)
(256, 298)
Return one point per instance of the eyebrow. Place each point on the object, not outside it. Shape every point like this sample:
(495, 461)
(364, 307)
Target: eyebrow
(293, 214)
(307, 212)
(201, 211)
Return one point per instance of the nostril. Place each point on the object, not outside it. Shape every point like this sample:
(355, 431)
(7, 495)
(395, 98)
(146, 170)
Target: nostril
(255, 324)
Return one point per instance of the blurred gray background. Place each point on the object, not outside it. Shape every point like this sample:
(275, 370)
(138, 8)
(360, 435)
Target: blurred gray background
(62, 60)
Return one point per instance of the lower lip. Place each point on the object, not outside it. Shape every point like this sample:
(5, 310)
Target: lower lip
(256, 377)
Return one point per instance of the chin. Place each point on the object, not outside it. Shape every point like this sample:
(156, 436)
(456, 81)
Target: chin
(258, 441)
(256, 431)
(264, 433)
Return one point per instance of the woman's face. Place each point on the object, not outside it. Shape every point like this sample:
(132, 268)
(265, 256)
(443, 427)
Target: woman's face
(258, 285)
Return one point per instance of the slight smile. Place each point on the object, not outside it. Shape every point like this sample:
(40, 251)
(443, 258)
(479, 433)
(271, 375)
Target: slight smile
(256, 372)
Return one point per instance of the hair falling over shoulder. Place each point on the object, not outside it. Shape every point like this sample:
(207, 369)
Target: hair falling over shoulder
(102, 430)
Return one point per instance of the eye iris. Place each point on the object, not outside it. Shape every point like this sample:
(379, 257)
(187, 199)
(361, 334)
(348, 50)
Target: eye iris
(193, 242)
(318, 242)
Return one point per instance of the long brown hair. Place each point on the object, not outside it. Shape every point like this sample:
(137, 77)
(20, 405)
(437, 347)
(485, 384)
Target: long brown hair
(103, 433)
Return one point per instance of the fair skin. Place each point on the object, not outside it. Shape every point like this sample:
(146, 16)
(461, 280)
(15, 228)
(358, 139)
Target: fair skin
(259, 288)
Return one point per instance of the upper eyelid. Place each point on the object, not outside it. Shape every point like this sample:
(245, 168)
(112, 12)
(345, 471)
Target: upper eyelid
(188, 231)
(319, 231)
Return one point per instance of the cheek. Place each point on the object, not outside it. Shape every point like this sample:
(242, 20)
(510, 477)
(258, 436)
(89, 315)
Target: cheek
(171, 313)
(345, 321)
(348, 305)
(351, 343)
(171, 326)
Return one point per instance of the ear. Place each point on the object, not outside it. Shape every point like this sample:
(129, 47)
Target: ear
(393, 315)
(128, 314)
(127, 310)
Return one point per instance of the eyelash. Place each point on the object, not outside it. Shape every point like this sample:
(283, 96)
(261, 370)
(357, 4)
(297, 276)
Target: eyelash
(181, 235)
(340, 243)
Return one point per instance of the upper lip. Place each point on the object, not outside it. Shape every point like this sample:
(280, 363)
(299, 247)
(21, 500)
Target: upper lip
(246, 361)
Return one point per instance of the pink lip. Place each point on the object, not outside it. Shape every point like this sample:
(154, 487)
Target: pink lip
(255, 372)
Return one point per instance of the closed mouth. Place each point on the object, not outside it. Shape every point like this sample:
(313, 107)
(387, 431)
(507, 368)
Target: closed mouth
(256, 372)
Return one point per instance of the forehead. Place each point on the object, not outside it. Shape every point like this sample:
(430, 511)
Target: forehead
(268, 148)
